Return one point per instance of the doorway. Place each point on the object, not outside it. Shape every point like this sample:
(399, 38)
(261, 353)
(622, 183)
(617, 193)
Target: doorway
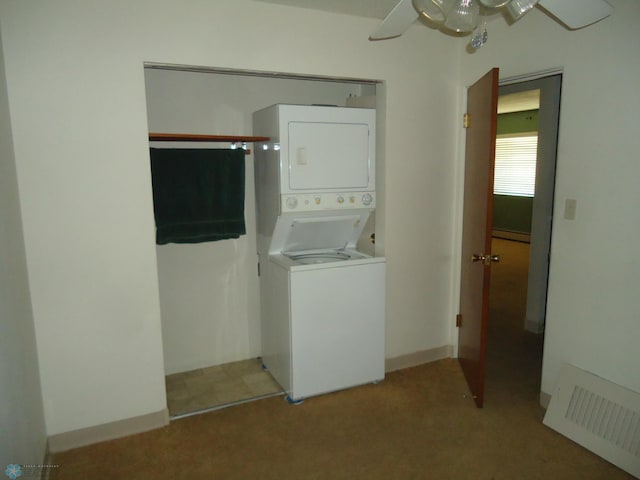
(522, 238)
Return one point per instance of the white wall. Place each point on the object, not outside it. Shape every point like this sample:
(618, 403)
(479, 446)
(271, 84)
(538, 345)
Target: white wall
(77, 102)
(22, 429)
(209, 298)
(593, 313)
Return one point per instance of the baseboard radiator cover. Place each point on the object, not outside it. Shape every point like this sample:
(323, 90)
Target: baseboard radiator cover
(599, 415)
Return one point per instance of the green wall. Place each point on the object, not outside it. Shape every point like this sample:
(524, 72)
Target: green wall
(518, 122)
(512, 214)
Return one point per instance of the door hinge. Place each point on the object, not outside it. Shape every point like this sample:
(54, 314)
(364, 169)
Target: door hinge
(466, 119)
(459, 320)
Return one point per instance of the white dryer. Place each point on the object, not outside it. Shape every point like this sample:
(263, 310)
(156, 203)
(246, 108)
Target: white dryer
(322, 301)
(319, 159)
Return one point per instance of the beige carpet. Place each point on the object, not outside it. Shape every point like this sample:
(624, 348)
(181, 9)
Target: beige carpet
(418, 424)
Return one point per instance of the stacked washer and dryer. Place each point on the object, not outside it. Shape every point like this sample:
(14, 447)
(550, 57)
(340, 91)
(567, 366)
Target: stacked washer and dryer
(322, 301)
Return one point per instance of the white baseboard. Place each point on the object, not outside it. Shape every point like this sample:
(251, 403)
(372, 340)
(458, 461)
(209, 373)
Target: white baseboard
(108, 431)
(44, 472)
(545, 398)
(418, 358)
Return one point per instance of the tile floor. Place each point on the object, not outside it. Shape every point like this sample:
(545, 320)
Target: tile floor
(211, 387)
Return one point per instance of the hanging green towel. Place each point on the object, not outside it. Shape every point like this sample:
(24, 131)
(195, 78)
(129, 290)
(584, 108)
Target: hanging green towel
(198, 194)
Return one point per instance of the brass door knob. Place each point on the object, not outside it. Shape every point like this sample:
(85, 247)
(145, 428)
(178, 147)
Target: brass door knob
(486, 259)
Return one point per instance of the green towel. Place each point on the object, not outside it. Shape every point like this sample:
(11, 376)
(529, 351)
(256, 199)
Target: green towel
(198, 194)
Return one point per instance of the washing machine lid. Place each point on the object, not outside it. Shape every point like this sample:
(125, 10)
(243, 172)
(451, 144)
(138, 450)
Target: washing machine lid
(297, 234)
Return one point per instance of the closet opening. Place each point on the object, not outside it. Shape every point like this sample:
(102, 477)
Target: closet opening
(209, 291)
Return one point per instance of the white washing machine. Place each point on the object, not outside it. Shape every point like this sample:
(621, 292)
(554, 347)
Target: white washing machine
(323, 315)
(322, 301)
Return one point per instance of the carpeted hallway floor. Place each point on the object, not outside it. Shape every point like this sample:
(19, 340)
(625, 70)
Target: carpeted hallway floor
(418, 424)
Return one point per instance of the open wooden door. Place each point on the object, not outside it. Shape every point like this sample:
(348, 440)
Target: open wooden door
(481, 124)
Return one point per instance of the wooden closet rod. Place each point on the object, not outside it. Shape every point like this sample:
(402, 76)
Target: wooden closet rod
(191, 137)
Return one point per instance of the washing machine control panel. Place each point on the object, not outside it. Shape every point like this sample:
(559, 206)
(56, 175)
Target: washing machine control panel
(311, 202)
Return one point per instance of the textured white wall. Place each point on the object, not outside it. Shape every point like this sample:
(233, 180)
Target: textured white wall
(593, 314)
(23, 436)
(77, 96)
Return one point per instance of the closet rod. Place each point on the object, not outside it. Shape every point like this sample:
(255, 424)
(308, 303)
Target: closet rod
(192, 137)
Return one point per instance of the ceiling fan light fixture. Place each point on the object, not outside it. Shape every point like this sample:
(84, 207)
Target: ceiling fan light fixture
(430, 9)
(463, 16)
(517, 8)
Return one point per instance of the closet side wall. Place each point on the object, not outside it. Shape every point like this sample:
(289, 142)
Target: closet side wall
(209, 297)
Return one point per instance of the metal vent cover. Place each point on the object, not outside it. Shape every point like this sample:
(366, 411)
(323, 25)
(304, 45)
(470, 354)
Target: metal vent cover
(599, 415)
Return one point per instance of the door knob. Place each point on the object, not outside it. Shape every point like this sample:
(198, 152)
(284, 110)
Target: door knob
(486, 259)
(477, 258)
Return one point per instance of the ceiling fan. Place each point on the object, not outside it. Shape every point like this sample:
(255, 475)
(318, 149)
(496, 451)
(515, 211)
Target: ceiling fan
(463, 16)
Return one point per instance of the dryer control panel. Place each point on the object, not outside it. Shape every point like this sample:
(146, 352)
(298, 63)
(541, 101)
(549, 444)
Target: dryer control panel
(314, 202)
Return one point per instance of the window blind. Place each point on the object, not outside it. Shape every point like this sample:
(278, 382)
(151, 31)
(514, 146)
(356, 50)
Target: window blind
(515, 170)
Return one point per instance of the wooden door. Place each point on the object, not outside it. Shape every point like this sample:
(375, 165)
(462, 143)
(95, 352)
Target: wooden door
(481, 123)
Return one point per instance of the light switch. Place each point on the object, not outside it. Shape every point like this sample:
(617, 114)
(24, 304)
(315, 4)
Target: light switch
(570, 209)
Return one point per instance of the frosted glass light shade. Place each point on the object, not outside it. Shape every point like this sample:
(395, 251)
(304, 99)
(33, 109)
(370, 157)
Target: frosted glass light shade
(494, 3)
(463, 16)
(431, 9)
(518, 8)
